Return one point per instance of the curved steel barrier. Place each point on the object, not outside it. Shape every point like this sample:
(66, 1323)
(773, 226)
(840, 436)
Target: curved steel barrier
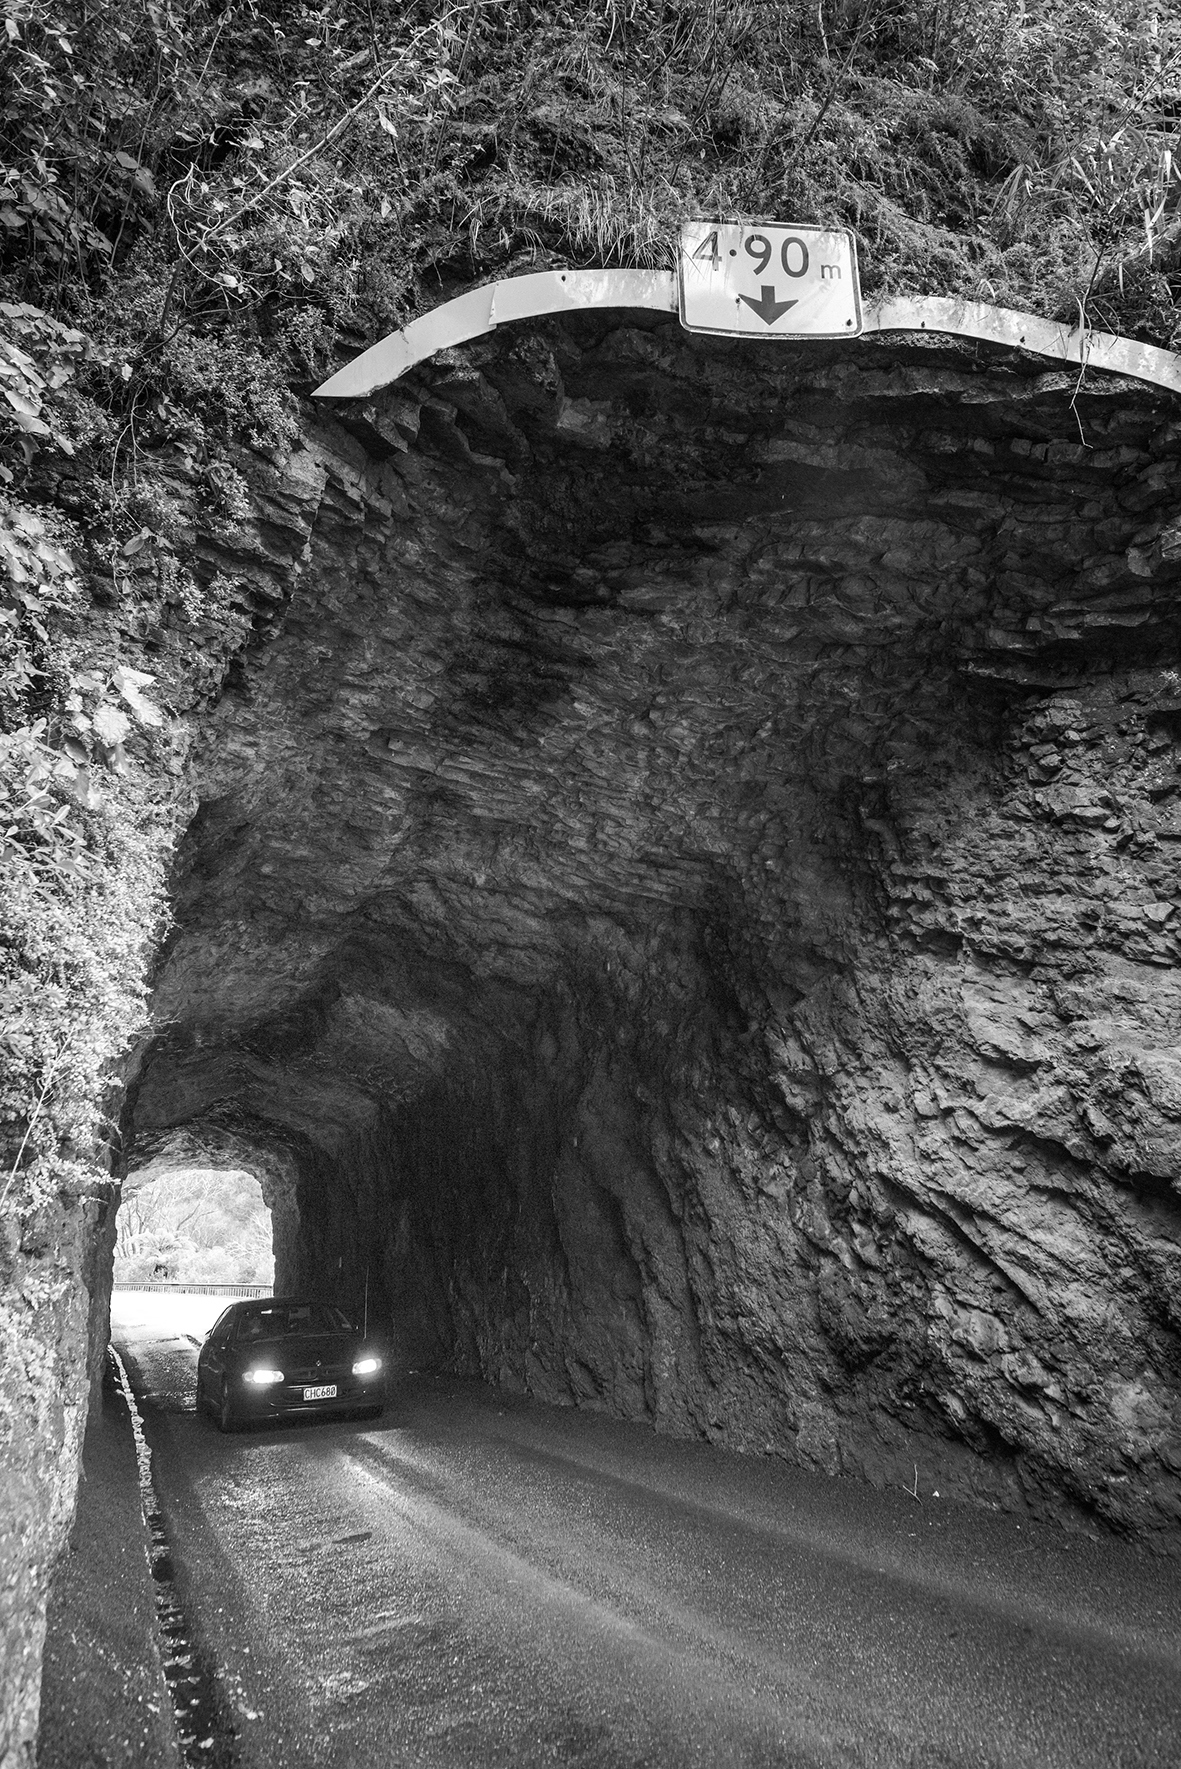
(566, 291)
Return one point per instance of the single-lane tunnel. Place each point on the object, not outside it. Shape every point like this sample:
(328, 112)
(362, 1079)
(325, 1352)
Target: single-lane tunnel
(682, 896)
(483, 1580)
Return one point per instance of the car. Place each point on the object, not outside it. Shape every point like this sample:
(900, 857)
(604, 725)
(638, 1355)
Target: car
(272, 1356)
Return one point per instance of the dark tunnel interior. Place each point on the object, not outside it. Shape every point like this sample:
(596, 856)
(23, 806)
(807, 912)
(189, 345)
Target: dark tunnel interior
(681, 898)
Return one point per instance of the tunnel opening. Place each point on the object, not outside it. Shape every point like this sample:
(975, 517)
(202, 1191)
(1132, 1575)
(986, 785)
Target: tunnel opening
(193, 1225)
(680, 897)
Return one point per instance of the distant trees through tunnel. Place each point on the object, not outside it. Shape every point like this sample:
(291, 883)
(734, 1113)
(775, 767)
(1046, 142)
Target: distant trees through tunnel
(203, 1225)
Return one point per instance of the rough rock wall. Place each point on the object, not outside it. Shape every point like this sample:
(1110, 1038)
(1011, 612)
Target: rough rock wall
(689, 890)
(55, 1255)
(49, 1263)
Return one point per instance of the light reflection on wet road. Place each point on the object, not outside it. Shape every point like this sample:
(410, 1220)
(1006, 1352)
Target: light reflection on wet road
(483, 1581)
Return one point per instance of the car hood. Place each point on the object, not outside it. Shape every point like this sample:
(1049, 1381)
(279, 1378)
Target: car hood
(302, 1351)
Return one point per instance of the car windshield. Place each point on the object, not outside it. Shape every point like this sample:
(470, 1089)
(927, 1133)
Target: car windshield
(285, 1320)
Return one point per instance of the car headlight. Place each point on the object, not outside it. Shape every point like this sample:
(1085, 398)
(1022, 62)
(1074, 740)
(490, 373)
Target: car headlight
(264, 1378)
(365, 1366)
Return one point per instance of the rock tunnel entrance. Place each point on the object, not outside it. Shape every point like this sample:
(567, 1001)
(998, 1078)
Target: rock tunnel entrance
(684, 895)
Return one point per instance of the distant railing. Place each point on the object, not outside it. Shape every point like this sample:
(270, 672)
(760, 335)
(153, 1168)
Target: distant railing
(201, 1289)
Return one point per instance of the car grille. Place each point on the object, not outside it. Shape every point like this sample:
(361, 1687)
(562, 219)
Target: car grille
(318, 1373)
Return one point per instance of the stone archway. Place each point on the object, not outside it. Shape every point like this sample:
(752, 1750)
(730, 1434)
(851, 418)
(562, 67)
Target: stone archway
(691, 875)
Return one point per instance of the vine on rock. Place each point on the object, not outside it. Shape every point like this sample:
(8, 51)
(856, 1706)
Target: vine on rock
(79, 870)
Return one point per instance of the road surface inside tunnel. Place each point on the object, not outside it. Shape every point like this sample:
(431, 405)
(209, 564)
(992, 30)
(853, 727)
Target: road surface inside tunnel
(483, 1580)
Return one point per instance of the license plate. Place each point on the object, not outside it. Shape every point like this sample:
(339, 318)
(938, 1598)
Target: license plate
(328, 1393)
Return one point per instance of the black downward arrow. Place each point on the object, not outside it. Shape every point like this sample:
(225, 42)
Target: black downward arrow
(767, 307)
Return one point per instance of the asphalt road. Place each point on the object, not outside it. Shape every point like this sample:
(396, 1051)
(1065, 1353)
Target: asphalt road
(480, 1580)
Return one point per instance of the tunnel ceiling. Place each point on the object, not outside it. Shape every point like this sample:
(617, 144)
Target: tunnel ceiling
(651, 881)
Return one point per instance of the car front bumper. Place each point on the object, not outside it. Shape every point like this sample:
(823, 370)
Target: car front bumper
(288, 1397)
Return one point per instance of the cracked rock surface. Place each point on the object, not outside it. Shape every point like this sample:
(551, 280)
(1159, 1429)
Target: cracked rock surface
(688, 895)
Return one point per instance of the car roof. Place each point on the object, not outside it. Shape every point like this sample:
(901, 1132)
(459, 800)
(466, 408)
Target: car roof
(262, 1304)
(248, 1302)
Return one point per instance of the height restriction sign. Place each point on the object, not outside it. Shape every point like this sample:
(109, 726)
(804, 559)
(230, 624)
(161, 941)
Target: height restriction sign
(769, 280)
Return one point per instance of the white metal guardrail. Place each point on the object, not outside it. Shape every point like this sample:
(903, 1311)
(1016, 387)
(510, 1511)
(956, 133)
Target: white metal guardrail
(567, 291)
(231, 1290)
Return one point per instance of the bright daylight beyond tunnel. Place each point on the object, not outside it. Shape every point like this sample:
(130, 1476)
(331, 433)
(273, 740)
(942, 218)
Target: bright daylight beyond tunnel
(193, 1225)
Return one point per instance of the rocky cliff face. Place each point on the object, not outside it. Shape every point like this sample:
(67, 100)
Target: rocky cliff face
(688, 896)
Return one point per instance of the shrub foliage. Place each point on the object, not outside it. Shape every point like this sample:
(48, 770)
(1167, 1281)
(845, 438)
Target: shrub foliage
(259, 162)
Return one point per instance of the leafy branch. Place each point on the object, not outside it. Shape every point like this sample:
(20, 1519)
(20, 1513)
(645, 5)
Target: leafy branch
(38, 1109)
(207, 235)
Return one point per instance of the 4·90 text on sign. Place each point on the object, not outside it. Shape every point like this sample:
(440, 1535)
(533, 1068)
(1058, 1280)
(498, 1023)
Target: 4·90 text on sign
(769, 280)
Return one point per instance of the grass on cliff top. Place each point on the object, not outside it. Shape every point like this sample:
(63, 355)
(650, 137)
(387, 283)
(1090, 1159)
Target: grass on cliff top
(291, 172)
